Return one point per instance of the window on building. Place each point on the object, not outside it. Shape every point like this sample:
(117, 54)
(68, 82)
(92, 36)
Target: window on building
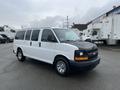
(94, 33)
(13, 31)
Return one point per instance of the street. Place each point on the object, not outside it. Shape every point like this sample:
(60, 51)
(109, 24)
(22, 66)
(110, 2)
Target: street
(35, 75)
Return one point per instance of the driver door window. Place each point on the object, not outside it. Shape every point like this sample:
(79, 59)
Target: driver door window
(48, 36)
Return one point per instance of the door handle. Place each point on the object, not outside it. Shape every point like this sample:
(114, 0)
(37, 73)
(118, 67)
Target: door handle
(39, 44)
(30, 43)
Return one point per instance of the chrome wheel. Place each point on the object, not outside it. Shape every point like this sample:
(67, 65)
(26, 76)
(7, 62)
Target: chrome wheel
(61, 67)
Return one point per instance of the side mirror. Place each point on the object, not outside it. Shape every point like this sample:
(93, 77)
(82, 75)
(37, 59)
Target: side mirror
(51, 38)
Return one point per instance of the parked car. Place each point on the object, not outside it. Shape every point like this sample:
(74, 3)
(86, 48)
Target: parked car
(7, 38)
(60, 47)
(2, 39)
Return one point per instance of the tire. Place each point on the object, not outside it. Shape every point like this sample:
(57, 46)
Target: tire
(62, 66)
(20, 55)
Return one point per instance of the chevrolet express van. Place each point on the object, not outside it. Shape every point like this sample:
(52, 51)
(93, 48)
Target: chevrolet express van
(60, 47)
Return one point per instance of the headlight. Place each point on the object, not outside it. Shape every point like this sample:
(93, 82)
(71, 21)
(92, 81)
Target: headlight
(80, 55)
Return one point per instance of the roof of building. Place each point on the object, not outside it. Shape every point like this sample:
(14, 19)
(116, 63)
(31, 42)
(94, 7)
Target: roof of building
(115, 8)
(107, 13)
(80, 26)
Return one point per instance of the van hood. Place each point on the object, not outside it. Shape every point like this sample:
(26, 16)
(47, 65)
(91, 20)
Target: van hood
(82, 45)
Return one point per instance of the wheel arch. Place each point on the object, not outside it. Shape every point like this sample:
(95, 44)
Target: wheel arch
(58, 56)
(18, 48)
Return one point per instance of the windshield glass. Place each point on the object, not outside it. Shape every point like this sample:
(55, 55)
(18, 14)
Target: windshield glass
(66, 35)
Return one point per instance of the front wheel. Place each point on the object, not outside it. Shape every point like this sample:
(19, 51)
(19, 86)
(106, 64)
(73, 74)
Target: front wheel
(62, 66)
(20, 55)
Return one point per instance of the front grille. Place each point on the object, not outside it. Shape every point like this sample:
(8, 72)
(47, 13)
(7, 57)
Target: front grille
(92, 54)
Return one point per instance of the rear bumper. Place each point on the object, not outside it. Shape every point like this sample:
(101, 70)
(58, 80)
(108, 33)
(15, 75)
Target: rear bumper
(84, 64)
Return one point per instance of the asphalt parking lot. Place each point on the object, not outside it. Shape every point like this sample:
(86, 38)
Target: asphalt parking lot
(35, 75)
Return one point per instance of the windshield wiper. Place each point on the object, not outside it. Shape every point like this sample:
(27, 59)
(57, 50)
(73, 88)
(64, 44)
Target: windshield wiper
(71, 40)
(67, 40)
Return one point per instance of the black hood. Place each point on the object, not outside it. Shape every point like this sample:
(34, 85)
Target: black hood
(82, 44)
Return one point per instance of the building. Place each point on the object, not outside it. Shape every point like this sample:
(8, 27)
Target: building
(106, 27)
(80, 27)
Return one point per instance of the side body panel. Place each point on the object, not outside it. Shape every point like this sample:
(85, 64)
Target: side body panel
(45, 51)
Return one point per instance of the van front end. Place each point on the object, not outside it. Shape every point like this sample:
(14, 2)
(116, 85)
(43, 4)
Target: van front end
(85, 59)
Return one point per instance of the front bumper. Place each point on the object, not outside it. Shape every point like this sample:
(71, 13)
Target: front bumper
(84, 64)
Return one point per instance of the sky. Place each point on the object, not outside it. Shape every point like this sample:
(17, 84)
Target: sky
(35, 13)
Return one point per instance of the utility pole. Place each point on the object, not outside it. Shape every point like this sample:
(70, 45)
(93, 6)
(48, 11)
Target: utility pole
(67, 22)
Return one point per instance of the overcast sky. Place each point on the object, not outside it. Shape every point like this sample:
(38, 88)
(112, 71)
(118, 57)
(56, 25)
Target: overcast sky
(23, 12)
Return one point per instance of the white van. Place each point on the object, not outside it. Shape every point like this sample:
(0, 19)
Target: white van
(60, 47)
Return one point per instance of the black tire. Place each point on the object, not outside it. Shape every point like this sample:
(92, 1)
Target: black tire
(62, 66)
(20, 55)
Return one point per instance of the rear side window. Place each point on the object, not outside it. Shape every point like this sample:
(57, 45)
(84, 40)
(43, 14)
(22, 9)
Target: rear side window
(35, 35)
(20, 35)
(28, 33)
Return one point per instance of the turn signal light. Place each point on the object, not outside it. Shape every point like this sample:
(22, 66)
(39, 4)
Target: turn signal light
(81, 58)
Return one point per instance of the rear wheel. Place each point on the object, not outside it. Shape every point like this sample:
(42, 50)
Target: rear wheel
(62, 66)
(20, 55)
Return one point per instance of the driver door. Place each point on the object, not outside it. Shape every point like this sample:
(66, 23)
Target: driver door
(49, 45)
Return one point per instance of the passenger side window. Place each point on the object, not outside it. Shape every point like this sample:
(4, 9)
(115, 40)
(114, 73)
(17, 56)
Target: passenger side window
(48, 36)
(35, 35)
(20, 35)
(28, 33)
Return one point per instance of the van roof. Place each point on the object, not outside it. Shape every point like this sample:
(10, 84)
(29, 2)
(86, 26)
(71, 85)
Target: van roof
(42, 28)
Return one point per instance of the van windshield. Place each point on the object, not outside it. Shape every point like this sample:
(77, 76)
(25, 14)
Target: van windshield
(66, 35)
